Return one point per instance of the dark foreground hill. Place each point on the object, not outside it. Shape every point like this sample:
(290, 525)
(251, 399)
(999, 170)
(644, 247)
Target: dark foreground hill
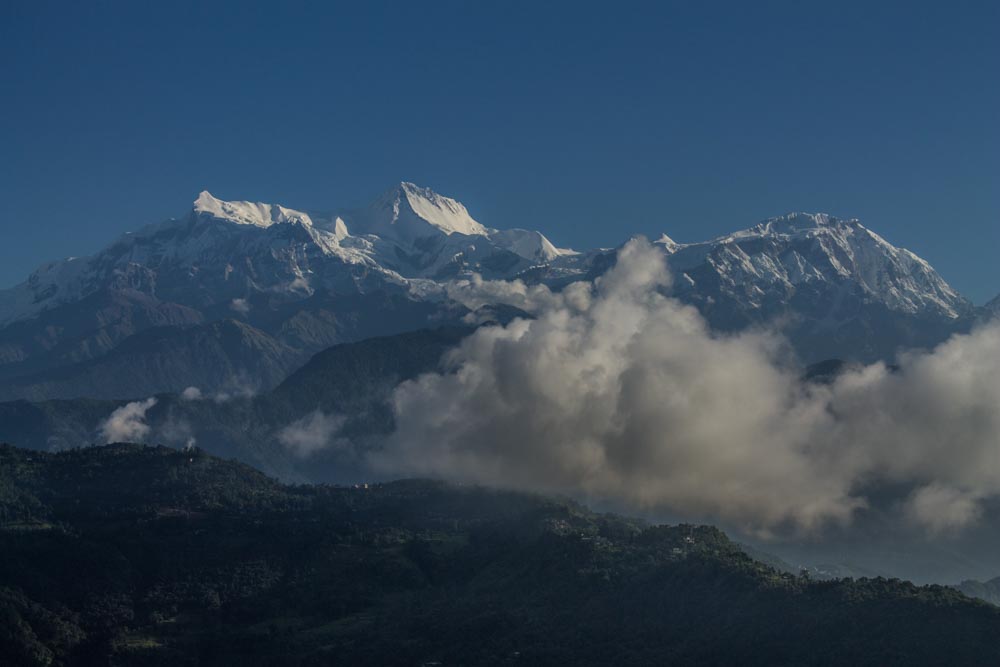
(130, 555)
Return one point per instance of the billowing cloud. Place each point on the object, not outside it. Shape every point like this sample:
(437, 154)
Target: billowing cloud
(241, 306)
(312, 433)
(617, 391)
(127, 423)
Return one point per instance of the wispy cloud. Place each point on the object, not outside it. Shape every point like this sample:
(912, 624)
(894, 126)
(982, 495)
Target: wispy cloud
(312, 433)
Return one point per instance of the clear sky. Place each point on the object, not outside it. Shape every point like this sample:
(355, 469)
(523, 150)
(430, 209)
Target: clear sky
(587, 121)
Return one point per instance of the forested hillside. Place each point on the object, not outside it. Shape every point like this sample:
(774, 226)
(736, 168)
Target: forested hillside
(151, 556)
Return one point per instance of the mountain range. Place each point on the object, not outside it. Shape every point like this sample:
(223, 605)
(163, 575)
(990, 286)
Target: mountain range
(236, 295)
(229, 325)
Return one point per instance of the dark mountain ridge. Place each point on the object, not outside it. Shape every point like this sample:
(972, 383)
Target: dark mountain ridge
(194, 560)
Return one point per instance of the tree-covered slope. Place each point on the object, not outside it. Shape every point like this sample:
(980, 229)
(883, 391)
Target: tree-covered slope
(136, 555)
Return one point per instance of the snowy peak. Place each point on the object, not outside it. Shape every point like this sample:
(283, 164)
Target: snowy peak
(247, 213)
(798, 225)
(528, 244)
(406, 215)
(409, 229)
(781, 255)
(447, 214)
(407, 212)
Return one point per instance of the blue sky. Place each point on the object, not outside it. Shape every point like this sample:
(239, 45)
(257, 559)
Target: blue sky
(588, 121)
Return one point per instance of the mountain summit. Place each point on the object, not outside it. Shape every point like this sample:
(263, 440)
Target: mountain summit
(246, 213)
(408, 212)
(836, 288)
(783, 255)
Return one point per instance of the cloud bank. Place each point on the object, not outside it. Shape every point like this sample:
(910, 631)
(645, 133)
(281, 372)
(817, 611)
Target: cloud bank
(618, 391)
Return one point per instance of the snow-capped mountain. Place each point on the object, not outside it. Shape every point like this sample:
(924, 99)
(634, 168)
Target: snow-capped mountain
(414, 218)
(418, 233)
(232, 250)
(307, 280)
(837, 288)
(775, 259)
(407, 213)
(299, 281)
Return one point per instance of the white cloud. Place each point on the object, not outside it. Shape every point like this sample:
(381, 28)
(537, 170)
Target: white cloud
(619, 392)
(127, 423)
(474, 293)
(191, 394)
